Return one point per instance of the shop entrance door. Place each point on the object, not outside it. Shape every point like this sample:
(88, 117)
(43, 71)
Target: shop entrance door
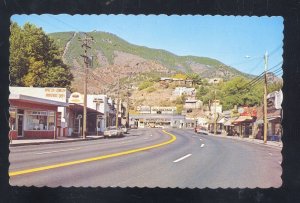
(20, 125)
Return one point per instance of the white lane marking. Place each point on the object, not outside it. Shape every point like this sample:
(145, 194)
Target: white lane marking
(202, 145)
(180, 159)
(151, 135)
(125, 142)
(270, 154)
(200, 139)
(65, 150)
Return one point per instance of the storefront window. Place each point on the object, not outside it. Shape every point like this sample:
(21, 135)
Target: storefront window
(51, 122)
(12, 118)
(35, 122)
(40, 120)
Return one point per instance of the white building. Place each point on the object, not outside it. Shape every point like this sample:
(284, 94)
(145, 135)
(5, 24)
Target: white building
(192, 104)
(100, 104)
(179, 91)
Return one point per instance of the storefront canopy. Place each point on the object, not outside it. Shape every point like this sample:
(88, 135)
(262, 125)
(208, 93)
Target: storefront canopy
(242, 119)
(229, 122)
(79, 108)
(13, 98)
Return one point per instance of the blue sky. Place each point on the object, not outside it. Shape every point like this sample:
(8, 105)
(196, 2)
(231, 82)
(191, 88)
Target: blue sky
(236, 41)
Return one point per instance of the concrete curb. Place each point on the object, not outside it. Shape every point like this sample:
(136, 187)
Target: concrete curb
(53, 142)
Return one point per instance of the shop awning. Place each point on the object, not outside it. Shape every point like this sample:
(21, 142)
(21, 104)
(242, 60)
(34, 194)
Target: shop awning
(241, 119)
(222, 120)
(36, 100)
(79, 108)
(229, 122)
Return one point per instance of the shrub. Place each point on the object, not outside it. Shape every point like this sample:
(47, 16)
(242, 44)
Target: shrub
(145, 84)
(150, 89)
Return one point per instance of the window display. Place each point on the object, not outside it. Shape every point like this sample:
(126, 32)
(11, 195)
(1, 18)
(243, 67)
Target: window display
(12, 118)
(40, 120)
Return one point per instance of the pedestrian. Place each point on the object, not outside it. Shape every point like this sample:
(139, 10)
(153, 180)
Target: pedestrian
(278, 134)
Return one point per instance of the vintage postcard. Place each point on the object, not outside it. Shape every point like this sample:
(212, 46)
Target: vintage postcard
(145, 101)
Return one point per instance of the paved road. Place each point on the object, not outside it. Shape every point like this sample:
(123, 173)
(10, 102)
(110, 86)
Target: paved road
(190, 161)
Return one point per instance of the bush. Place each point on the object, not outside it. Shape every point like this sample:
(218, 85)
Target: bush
(145, 84)
(150, 89)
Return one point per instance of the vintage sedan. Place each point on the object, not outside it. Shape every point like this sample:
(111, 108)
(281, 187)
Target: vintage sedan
(112, 131)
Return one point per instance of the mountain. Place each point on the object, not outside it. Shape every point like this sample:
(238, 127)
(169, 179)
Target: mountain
(115, 58)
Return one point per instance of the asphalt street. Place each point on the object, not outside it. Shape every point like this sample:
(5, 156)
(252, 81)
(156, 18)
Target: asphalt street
(192, 161)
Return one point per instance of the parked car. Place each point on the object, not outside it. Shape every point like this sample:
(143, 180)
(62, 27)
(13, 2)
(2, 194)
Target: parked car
(112, 131)
(132, 126)
(124, 129)
(201, 130)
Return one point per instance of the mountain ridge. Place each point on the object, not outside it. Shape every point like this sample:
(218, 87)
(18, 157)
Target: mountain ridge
(109, 51)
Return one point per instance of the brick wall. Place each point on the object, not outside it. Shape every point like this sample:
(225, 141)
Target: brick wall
(36, 134)
(13, 134)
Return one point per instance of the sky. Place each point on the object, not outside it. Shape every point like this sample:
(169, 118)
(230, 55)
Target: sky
(240, 42)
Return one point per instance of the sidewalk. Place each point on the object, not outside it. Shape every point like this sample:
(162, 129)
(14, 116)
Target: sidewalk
(23, 142)
(252, 140)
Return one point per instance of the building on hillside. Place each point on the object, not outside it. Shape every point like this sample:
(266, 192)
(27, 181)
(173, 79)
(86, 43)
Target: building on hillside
(215, 80)
(192, 104)
(176, 81)
(179, 91)
(33, 117)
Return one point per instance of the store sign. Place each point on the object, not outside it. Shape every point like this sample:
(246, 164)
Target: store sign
(163, 110)
(248, 111)
(76, 98)
(57, 94)
(274, 100)
(98, 100)
(38, 113)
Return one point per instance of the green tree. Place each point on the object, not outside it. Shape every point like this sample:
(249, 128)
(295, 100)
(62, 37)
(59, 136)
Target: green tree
(195, 77)
(276, 86)
(35, 59)
(238, 92)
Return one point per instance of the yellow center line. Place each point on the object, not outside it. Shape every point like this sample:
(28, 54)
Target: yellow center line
(15, 173)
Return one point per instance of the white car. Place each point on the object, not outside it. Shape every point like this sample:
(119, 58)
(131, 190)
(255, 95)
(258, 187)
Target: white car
(124, 129)
(112, 131)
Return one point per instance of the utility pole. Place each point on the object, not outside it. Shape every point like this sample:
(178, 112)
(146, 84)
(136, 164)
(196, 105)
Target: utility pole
(215, 112)
(85, 45)
(118, 103)
(265, 99)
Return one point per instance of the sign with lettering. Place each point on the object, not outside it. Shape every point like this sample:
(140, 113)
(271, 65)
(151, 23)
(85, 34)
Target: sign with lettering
(57, 94)
(76, 98)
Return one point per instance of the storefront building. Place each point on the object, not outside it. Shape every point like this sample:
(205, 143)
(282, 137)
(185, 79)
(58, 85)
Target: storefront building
(33, 118)
(75, 114)
(158, 120)
(48, 93)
